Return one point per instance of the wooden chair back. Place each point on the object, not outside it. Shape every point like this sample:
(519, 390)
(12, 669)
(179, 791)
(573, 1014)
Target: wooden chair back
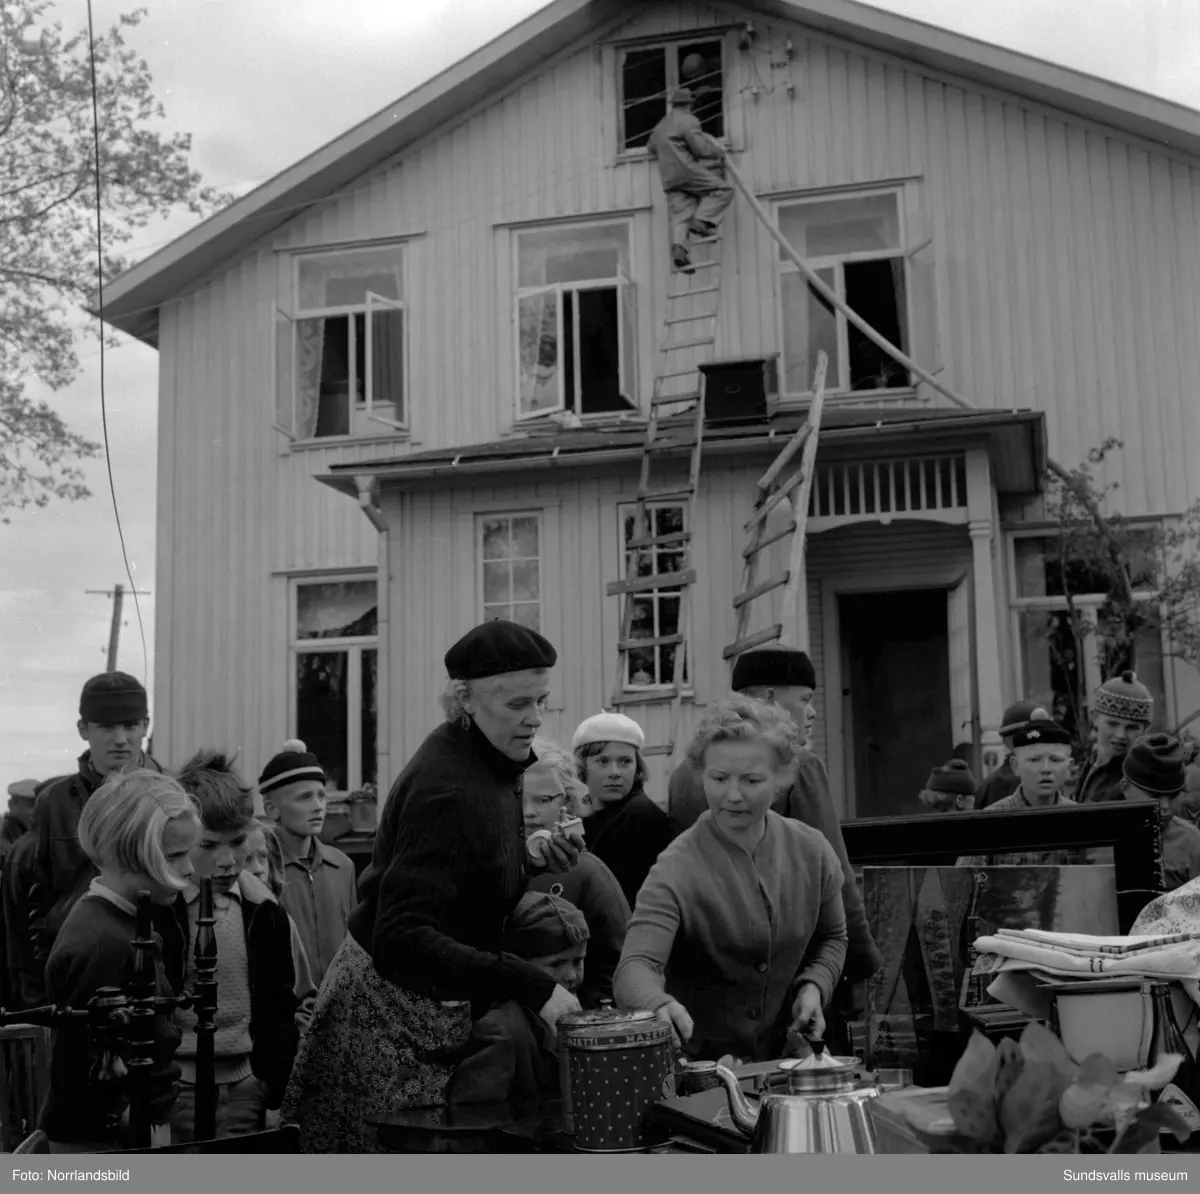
(24, 1081)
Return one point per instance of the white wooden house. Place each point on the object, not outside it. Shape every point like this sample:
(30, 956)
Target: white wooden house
(360, 360)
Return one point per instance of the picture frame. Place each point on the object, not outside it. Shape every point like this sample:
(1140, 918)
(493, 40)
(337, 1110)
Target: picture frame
(1132, 829)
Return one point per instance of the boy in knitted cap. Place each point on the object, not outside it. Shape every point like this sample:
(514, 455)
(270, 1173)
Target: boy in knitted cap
(320, 887)
(1154, 769)
(511, 1055)
(1121, 712)
(1003, 781)
(114, 718)
(950, 789)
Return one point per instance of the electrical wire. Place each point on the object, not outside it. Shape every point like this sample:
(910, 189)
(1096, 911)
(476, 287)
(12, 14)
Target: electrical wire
(100, 317)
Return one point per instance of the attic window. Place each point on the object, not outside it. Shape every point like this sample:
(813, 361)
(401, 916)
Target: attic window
(649, 73)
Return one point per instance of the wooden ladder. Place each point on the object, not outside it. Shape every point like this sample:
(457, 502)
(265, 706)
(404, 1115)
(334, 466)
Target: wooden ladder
(692, 303)
(769, 494)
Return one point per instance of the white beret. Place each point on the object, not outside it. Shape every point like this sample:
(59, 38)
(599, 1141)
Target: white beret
(609, 727)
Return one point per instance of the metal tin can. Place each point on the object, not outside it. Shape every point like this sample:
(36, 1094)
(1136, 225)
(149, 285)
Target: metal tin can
(614, 1066)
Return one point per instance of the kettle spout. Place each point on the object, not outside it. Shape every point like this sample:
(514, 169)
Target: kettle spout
(745, 1117)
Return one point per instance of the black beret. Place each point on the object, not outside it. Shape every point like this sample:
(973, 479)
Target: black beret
(1041, 731)
(498, 647)
(779, 667)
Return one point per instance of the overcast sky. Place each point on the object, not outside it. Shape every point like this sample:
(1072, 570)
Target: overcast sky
(260, 83)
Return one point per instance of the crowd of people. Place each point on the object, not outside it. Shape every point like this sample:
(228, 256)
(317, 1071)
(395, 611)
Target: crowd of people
(513, 880)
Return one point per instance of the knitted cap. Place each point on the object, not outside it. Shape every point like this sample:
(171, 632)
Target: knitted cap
(291, 765)
(609, 727)
(778, 667)
(955, 777)
(1125, 697)
(1156, 764)
(1016, 716)
(543, 924)
(681, 96)
(24, 789)
(498, 647)
(1039, 730)
(113, 699)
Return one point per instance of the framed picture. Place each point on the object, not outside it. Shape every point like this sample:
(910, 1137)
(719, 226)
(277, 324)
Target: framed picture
(1130, 829)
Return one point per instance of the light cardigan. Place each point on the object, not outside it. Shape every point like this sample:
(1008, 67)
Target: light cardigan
(731, 934)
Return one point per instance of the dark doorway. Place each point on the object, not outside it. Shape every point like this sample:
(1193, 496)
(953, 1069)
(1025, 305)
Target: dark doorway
(897, 650)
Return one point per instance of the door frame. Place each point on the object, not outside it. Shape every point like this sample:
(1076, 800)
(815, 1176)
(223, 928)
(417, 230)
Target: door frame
(936, 577)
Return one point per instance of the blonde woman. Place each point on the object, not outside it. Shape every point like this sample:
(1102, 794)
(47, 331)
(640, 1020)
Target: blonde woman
(739, 934)
(551, 791)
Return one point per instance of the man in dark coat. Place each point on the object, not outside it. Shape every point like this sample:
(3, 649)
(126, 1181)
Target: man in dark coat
(114, 719)
(1004, 780)
(787, 678)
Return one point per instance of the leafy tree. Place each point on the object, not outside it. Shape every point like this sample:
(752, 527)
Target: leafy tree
(48, 222)
(1150, 574)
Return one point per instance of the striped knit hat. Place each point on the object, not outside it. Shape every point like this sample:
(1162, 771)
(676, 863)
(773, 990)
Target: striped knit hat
(290, 766)
(543, 924)
(1124, 697)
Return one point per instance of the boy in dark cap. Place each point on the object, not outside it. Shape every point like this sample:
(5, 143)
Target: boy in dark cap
(949, 789)
(19, 817)
(114, 718)
(787, 678)
(511, 1056)
(1003, 781)
(1042, 760)
(1121, 712)
(1155, 769)
(320, 886)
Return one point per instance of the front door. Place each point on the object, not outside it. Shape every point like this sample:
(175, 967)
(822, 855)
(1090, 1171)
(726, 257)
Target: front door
(898, 663)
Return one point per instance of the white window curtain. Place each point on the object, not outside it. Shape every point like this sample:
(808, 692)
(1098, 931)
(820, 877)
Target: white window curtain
(310, 352)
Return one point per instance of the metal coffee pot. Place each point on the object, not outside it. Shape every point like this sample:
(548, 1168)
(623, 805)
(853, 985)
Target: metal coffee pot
(805, 1107)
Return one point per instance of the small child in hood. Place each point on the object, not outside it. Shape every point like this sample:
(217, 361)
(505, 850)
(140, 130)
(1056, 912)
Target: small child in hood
(511, 1057)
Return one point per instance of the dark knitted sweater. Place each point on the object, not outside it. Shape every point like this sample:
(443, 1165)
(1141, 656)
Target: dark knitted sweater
(448, 867)
(92, 951)
(628, 835)
(1100, 783)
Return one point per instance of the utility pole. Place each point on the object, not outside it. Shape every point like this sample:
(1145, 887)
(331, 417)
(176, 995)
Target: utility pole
(117, 593)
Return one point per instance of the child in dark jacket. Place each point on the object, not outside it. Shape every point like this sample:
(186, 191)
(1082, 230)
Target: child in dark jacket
(510, 1057)
(138, 830)
(256, 1031)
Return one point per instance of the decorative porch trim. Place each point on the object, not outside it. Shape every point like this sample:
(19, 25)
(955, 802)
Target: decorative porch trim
(931, 488)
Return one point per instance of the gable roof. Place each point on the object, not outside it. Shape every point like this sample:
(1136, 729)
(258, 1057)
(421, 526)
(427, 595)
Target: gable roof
(132, 300)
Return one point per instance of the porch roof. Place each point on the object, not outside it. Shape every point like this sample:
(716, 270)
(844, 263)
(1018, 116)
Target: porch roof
(1016, 442)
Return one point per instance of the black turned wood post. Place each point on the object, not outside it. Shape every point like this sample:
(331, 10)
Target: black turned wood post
(106, 1023)
(204, 1003)
(141, 990)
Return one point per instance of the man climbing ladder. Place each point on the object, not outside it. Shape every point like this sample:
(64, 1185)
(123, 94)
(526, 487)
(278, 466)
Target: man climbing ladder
(690, 165)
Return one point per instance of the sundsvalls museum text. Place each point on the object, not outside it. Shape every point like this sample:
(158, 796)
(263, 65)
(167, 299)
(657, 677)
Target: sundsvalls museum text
(1123, 1175)
(70, 1175)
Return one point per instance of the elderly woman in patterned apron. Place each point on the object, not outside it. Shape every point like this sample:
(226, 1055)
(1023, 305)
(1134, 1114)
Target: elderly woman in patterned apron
(739, 933)
(423, 956)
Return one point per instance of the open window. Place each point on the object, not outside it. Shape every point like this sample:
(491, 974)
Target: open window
(858, 244)
(341, 351)
(648, 73)
(575, 320)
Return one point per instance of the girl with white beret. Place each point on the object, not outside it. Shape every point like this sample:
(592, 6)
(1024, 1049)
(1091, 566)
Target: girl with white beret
(627, 831)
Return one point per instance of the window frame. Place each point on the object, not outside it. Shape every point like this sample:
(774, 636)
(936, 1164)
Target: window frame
(783, 266)
(517, 511)
(293, 312)
(621, 49)
(625, 286)
(1089, 605)
(624, 509)
(354, 646)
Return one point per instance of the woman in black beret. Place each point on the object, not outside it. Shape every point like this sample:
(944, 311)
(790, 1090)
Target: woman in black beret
(423, 957)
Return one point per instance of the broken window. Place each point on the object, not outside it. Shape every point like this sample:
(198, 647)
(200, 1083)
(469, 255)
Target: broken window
(856, 246)
(576, 320)
(649, 73)
(341, 350)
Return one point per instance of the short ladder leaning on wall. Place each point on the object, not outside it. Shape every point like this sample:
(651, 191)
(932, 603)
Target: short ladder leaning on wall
(689, 331)
(770, 494)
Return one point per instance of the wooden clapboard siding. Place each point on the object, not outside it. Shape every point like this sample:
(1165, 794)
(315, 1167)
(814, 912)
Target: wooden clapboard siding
(1067, 274)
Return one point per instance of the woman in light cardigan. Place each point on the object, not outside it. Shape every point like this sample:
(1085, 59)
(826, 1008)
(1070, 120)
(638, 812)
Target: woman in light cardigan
(739, 934)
